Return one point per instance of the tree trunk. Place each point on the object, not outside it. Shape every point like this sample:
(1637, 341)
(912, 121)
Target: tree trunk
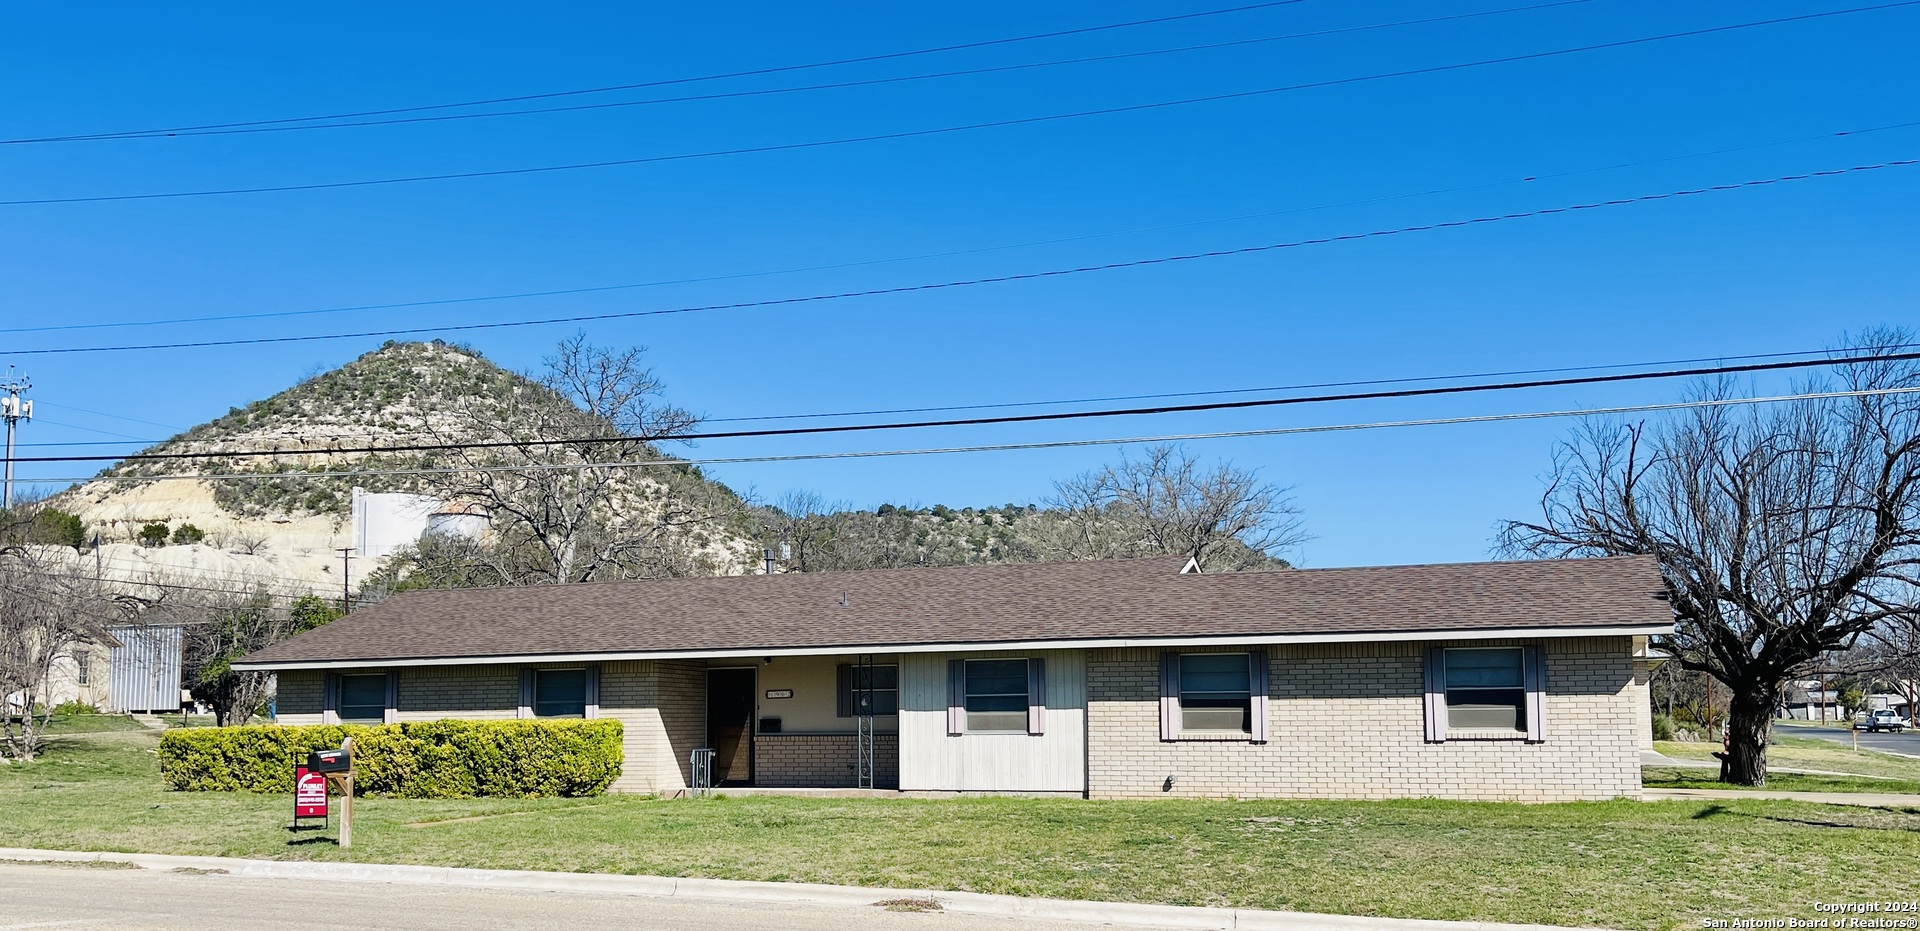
(1749, 724)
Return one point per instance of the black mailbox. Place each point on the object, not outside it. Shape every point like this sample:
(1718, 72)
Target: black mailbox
(329, 761)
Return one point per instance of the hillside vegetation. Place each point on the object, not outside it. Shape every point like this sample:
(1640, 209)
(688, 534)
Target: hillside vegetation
(559, 514)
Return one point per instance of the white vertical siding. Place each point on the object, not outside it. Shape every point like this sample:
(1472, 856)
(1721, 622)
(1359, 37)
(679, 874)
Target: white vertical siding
(932, 761)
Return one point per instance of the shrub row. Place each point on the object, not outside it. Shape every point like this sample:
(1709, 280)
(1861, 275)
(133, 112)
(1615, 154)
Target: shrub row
(426, 759)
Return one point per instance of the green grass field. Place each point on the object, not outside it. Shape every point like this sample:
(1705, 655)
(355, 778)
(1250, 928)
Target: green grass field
(1809, 753)
(1621, 864)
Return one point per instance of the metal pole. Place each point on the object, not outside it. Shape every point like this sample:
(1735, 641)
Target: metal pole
(346, 589)
(14, 410)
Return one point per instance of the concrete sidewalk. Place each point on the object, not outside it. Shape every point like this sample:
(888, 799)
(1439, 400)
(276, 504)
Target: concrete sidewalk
(809, 895)
(1867, 799)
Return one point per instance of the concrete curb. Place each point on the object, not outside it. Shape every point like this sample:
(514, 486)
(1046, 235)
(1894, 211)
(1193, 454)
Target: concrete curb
(765, 893)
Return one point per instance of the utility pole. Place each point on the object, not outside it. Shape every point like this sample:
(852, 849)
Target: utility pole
(346, 588)
(13, 408)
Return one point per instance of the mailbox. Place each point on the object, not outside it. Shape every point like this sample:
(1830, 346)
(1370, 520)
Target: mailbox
(330, 761)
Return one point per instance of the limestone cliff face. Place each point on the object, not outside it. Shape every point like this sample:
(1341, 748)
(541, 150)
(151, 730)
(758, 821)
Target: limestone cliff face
(287, 530)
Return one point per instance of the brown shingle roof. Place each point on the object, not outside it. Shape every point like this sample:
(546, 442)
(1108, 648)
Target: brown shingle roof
(1120, 599)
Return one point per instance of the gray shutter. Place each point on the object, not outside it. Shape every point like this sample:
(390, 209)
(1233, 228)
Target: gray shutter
(843, 691)
(1436, 692)
(392, 713)
(526, 693)
(1036, 696)
(1169, 695)
(956, 697)
(1257, 684)
(330, 698)
(593, 692)
(1534, 660)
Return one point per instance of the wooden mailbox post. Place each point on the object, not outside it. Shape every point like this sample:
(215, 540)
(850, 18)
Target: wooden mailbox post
(337, 767)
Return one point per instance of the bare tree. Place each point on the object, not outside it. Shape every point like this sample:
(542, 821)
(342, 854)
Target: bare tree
(225, 626)
(1782, 532)
(44, 612)
(1166, 502)
(538, 461)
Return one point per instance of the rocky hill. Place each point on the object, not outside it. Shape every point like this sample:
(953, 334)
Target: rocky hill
(288, 528)
(284, 521)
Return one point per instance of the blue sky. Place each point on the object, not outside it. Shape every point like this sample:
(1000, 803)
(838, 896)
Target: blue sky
(1786, 267)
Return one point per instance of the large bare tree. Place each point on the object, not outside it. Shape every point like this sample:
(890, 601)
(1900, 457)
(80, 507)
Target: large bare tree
(1783, 532)
(539, 461)
(44, 612)
(1167, 502)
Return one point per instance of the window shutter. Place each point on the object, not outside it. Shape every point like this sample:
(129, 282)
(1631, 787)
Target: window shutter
(593, 692)
(330, 699)
(1436, 691)
(392, 713)
(843, 688)
(1169, 695)
(526, 693)
(956, 697)
(1257, 685)
(1036, 696)
(1534, 661)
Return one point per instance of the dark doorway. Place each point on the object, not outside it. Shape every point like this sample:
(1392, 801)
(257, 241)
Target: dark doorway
(730, 725)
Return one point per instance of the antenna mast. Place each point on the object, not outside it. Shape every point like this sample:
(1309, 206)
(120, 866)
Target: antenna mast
(13, 409)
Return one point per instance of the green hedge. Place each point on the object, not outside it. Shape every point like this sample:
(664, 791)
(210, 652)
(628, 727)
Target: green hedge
(426, 759)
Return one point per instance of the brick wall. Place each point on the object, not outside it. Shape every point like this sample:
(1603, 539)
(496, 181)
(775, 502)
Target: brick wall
(429, 693)
(1346, 721)
(662, 705)
(299, 696)
(821, 761)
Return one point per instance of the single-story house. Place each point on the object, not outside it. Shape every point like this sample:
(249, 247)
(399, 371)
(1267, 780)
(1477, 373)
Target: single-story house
(1114, 679)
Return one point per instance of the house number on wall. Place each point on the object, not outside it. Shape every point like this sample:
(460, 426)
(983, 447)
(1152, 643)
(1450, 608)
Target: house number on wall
(779, 693)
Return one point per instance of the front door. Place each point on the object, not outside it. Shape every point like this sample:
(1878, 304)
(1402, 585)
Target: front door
(730, 725)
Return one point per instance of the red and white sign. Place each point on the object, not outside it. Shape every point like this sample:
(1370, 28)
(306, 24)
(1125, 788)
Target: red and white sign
(309, 794)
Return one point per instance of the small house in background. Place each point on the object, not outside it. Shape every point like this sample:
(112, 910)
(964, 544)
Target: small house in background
(1114, 679)
(137, 669)
(144, 670)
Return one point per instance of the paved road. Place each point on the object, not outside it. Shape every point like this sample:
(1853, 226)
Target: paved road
(1907, 742)
(149, 900)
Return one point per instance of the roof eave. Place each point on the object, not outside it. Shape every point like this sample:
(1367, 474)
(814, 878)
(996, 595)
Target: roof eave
(1502, 633)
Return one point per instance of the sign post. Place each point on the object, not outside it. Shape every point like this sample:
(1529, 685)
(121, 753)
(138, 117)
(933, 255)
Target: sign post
(309, 795)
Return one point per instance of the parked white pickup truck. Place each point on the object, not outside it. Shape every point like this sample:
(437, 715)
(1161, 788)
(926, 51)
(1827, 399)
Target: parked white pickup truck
(1882, 721)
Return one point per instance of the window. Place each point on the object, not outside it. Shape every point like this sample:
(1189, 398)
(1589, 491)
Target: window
(560, 693)
(884, 690)
(82, 667)
(996, 695)
(363, 699)
(1216, 692)
(1486, 689)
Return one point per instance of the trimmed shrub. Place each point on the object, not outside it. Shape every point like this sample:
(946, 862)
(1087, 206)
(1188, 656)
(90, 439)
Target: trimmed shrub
(424, 759)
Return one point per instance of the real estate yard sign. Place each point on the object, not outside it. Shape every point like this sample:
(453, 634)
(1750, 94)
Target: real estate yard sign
(309, 794)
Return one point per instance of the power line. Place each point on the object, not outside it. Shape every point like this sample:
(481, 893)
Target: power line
(1010, 447)
(757, 72)
(997, 279)
(564, 292)
(1108, 399)
(919, 133)
(1394, 394)
(806, 88)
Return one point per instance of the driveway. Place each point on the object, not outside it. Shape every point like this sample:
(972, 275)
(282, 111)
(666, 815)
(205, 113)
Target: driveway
(1907, 742)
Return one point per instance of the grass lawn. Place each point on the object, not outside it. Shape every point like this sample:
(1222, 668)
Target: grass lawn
(91, 723)
(1621, 864)
(1809, 753)
(1679, 777)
